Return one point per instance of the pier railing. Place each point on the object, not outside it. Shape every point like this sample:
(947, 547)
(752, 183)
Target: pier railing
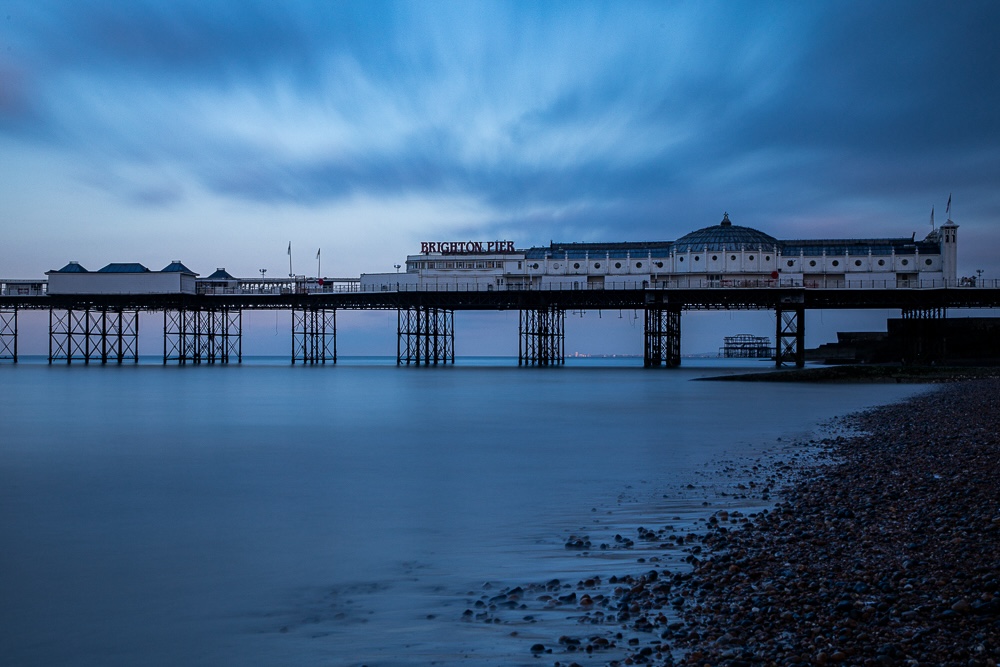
(677, 283)
(33, 288)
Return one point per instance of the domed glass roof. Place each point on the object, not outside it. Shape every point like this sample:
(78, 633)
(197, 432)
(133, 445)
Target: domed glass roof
(725, 236)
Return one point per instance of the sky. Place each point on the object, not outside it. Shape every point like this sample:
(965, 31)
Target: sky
(217, 133)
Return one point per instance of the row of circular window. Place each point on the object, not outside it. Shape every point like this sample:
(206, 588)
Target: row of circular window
(858, 262)
(791, 262)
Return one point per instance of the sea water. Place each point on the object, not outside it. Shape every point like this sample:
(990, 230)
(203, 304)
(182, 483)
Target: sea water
(263, 514)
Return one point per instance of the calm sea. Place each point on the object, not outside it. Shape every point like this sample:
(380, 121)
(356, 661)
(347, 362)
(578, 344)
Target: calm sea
(262, 514)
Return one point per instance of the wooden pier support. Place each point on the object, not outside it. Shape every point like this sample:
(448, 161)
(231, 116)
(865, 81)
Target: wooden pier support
(790, 339)
(314, 336)
(541, 337)
(425, 336)
(662, 331)
(94, 334)
(8, 334)
(203, 336)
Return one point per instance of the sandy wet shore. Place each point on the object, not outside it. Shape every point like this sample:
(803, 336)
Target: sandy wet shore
(888, 555)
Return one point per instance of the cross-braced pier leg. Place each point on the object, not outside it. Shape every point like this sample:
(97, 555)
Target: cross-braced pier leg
(541, 337)
(180, 339)
(790, 339)
(67, 335)
(197, 336)
(232, 335)
(425, 336)
(117, 335)
(662, 337)
(221, 335)
(314, 336)
(94, 334)
(8, 334)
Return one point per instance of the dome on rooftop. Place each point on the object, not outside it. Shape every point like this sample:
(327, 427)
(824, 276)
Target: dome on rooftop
(724, 236)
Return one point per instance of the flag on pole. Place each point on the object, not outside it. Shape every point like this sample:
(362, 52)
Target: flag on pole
(948, 209)
(317, 253)
(932, 217)
(289, 248)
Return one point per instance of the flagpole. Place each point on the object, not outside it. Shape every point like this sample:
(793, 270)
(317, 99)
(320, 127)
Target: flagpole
(319, 264)
(290, 273)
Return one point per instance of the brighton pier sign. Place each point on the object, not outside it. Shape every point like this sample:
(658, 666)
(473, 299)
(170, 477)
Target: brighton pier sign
(465, 247)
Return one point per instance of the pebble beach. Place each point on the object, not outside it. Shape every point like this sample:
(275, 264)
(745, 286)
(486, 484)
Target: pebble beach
(881, 547)
(888, 553)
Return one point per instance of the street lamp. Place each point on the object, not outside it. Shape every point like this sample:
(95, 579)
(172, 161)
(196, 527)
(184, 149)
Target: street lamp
(397, 267)
(979, 272)
(262, 272)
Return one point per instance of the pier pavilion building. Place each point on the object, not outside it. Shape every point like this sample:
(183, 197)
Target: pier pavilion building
(721, 255)
(122, 278)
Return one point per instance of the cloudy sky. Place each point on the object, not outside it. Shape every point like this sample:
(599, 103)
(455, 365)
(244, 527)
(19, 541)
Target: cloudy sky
(218, 132)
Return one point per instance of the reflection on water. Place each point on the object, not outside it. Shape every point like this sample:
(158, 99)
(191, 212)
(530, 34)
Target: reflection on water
(262, 513)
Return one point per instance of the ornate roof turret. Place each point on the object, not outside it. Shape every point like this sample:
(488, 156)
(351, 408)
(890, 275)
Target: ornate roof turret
(177, 266)
(72, 267)
(220, 274)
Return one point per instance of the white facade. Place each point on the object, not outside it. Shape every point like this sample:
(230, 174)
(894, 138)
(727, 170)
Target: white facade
(74, 280)
(723, 255)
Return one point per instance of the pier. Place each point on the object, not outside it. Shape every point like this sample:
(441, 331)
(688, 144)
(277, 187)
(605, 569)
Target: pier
(94, 315)
(746, 346)
(205, 327)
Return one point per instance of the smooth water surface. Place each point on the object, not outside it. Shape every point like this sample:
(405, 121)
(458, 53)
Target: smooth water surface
(263, 514)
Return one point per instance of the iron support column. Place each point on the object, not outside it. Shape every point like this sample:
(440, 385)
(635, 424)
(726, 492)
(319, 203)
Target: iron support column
(541, 337)
(425, 336)
(222, 331)
(790, 339)
(314, 336)
(179, 339)
(662, 337)
(94, 335)
(8, 334)
(117, 332)
(209, 336)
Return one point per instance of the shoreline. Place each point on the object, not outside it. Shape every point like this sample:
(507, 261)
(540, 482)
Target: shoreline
(863, 373)
(615, 619)
(885, 556)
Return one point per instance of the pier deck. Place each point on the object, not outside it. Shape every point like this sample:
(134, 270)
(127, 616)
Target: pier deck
(196, 325)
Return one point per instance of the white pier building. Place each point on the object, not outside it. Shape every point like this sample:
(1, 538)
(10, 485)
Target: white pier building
(722, 255)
